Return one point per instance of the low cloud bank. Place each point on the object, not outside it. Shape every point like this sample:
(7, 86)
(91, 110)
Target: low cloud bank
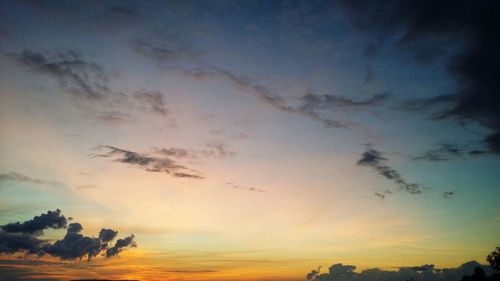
(427, 272)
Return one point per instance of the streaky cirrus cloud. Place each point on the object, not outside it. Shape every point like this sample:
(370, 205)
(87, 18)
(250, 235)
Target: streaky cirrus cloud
(247, 188)
(148, 163)
(91, 81)
(17, 177)
(374, 159)
(446, 151)
(74, 74)
(167, 59)
(24, 237)
(214, 149)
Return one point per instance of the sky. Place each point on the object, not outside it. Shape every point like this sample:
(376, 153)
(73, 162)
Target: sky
(247, 140)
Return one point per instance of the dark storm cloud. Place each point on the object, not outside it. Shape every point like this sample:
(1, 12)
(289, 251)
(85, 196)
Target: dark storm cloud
(17, 177)
(427, 272)
(24, 238)
(52, 219)
(375, 159)
(74, 74)
(465, 33)
(149, 163)
(247, 188)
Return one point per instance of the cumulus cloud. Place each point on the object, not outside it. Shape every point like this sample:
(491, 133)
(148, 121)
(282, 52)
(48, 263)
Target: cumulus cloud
(374, 159)
(25, 237)
(149, 163)
(120, 245)
(427, 272)
(463, 33)
(52, 219)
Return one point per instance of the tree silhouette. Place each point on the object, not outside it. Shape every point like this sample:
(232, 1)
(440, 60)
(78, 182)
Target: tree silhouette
(494, 259)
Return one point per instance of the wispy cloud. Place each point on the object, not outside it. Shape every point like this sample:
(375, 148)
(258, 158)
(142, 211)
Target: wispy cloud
(214, 149)
(374, 159)
(448, 194)
(91, 81)
(247, 188)
(148, 163)
(153, 100)
(74, 74)
(168, 60)
(17, 177)
(446, 151)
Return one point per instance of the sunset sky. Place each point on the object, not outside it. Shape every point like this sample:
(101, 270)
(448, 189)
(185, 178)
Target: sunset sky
(250, 140)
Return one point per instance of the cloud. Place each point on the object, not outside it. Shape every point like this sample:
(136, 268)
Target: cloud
(153, 100)
(247, 188)
(463, 33)
(215, 149)
(218, 150)
(112, 118)
(19, 242)
(91, 81)
(52, 219)
(24, 237)
(448, 194)
(74, 74)
(169, 60)
(313, 274)
(107, 235)
(311, 102)
(149, 163)
(17, 177)
(427, 272)
(375, 159)
(446, 151)
(175, 152)
(120, 245)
